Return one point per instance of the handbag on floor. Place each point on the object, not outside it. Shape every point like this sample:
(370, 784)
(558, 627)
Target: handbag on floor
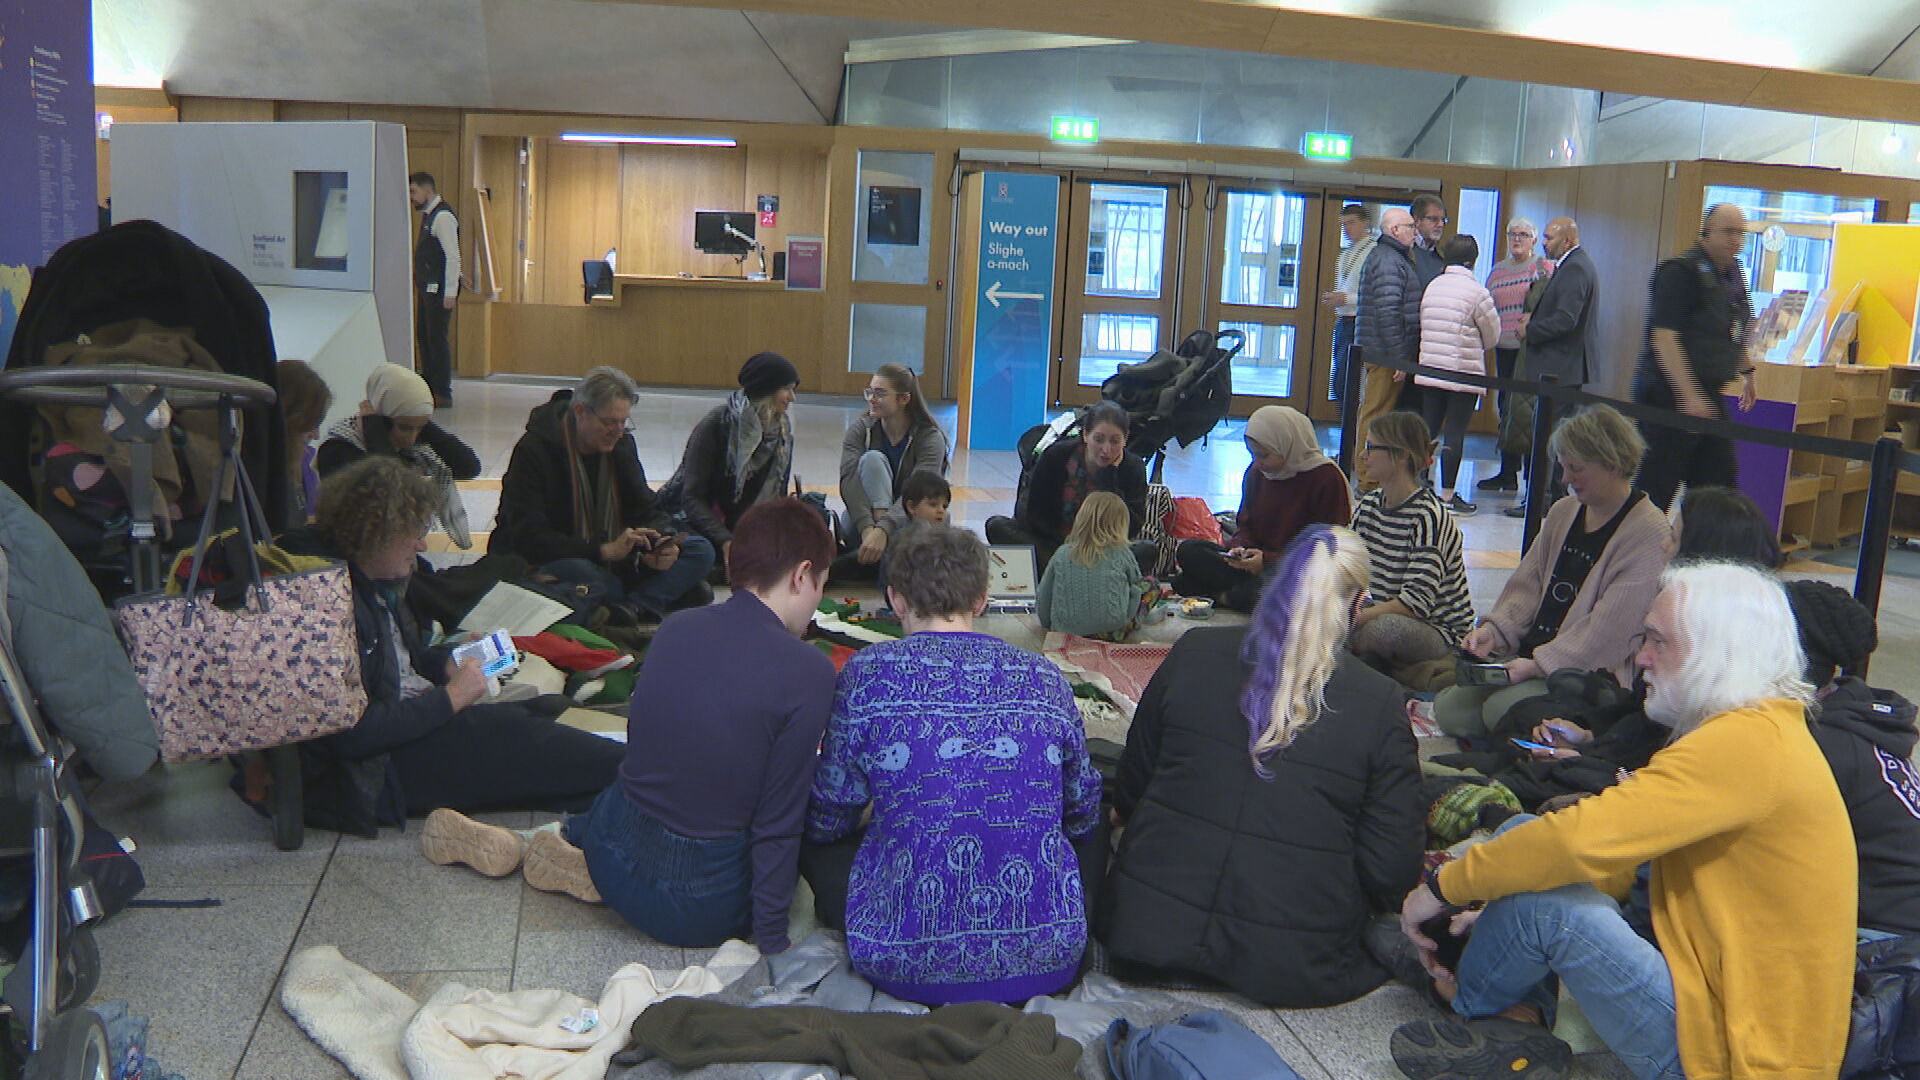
(282, 666)
(1206, 1045)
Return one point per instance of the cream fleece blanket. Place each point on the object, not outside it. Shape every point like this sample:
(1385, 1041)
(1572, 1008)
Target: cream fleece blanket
(379, 1033)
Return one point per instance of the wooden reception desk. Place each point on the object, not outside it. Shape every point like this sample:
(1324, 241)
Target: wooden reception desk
(622, 283)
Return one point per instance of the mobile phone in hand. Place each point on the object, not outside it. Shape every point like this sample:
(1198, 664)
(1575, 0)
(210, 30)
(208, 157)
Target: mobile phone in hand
(1526, 744)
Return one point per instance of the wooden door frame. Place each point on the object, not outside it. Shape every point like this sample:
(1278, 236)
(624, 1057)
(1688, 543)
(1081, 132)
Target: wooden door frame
(1304, 321)
(1073, 303)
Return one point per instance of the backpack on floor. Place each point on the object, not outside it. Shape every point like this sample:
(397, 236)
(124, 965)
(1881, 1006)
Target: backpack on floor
(1201, 1046)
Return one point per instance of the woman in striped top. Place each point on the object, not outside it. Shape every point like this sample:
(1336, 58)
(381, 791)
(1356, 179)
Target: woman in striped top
(1421, 607)
(1509, 281)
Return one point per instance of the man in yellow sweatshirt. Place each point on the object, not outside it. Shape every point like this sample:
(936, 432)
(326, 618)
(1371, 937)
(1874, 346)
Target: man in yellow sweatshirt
(1753, 887)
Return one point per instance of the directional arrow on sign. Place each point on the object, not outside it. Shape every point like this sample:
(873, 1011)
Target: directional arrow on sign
(994, 295)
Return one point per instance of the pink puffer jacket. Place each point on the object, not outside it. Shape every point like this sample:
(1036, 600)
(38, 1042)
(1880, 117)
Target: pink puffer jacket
(1458, 324)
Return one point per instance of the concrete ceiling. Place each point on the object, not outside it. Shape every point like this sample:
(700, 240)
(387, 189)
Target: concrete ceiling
(547, 55)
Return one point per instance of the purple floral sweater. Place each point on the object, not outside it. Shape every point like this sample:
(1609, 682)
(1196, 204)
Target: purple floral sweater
(972, 752)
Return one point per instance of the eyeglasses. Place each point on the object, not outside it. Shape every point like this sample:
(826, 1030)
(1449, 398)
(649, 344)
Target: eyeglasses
(1440, 219)
(874, 393)
(1518, 233)
(624, 425)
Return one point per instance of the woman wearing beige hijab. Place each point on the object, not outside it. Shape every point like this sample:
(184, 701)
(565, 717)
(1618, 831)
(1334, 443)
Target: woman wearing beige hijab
(1289, 485)
(397, 419)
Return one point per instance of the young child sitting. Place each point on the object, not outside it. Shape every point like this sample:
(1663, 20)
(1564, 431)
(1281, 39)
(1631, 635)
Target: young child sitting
(1093, 586)
(924, 498)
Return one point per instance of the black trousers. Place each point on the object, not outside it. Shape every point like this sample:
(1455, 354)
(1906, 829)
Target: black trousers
(505, 757)
(1204, 571)
(1447, 413)
(828, 867)
(1504, 361)
(430, 322)
(1675, 457)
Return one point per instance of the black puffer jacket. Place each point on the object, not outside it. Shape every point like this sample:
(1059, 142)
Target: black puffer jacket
(1264, 885)
(536, 516)
(1868, 737)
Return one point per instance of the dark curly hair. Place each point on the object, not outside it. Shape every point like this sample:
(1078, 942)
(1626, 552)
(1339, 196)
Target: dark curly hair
(372, 503)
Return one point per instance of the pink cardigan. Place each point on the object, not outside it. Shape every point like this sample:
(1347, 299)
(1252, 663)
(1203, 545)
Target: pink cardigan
(1458, 324)
(1611, 606)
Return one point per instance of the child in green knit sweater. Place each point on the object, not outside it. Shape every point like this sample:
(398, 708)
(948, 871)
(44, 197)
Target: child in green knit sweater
(1093, 586)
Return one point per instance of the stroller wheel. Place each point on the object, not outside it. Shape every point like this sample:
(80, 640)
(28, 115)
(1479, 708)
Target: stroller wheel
(75, 1049)
(79, 969)
(285, 800)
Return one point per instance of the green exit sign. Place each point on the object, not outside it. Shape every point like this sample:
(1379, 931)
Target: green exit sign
(1080, 129)
(1329, 146)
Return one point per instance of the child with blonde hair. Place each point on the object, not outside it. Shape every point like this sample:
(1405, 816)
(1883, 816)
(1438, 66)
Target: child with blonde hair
(1093, 586)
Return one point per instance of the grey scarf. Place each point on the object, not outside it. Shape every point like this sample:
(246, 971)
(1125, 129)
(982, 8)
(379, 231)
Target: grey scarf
(452, 514)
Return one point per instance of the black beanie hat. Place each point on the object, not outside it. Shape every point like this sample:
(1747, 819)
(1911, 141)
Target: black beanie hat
(1835, 629)
(763, 373)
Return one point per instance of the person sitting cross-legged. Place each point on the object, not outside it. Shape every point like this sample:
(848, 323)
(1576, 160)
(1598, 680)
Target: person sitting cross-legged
(1753, 889)
(969, 755)
(575, 504)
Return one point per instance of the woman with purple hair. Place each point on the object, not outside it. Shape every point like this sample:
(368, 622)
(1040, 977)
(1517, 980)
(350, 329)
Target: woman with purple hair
(1270, 794)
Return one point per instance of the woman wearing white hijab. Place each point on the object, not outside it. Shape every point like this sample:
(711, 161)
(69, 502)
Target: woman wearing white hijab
(397, 418)
(1289, 485)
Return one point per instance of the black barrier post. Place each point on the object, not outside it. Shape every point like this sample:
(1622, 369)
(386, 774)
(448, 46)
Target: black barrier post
(1351, 381)
(1539, 466)
(1875, 533)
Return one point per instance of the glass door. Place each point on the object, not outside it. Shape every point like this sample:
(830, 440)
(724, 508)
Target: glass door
(1119, 294)
(1264, 265)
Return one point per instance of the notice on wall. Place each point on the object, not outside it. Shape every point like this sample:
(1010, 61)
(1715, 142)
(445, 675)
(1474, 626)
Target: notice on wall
(46, 140)
(893, 215)
(806, 263)
(1013, 312)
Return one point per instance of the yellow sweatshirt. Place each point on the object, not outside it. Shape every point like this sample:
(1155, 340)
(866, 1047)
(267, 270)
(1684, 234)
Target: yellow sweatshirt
(1754, 888)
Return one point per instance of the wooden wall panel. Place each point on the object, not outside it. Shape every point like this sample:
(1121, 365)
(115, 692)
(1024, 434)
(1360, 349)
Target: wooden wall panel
(578, 217)
(497, 171)
(664, 335)
(660, 188)
(199, 110)
(1619, 209)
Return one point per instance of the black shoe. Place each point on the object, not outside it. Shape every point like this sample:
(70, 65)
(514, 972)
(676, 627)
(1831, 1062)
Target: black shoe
(1517, 510)
(699, 596)
(1461, 507)
(1474, 1049)
(1391, 949)
(1505, 481)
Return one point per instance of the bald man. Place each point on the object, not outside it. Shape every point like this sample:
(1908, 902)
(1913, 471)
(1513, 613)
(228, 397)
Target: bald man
(1389, 324)
(1698, 322)
(1560, 331)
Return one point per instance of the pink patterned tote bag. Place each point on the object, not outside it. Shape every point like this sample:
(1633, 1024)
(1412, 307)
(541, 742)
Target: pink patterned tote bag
(283, 668)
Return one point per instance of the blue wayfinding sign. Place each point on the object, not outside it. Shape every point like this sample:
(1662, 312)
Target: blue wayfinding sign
(1013, 313)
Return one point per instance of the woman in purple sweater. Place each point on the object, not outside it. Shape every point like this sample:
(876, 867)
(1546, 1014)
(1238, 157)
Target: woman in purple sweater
(967, 885)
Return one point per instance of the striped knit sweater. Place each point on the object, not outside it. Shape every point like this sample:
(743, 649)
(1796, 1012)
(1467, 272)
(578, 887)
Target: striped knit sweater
(1509, 283)
(1416, 556)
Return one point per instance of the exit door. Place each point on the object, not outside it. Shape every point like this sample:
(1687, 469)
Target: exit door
(1120, 281)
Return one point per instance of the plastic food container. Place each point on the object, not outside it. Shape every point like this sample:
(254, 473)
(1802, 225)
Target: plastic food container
(1196, 607)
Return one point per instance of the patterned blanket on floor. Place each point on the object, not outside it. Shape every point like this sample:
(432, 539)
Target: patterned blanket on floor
(1122, 671)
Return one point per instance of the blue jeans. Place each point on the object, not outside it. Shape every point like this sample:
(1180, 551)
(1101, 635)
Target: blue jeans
(1576, 933)
(651, 590)
(675, 889)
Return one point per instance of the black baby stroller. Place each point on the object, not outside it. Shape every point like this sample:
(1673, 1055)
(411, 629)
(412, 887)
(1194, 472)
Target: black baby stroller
(59, 965)
(1179, 394)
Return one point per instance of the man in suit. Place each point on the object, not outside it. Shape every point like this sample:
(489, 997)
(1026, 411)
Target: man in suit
(1561, 332)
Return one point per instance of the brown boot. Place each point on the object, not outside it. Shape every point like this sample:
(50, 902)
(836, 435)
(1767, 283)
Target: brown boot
(553, 865)
(451, 837)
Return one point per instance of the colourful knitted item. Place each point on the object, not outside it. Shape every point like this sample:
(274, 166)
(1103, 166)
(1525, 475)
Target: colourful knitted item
(1457, 813)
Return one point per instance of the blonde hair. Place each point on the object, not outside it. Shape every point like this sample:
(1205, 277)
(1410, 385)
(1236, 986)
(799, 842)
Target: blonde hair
(1404, 433)
(771, 418)
(1300, 628)
(1599, 435)
(1099, 527)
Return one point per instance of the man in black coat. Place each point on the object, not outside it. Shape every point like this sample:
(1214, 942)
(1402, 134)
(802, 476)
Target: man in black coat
(575, 503)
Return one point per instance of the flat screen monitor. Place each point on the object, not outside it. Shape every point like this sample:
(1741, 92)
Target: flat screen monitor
(711, 236)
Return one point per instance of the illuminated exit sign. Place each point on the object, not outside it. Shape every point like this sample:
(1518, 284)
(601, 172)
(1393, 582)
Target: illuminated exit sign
(1080, 129)
(1328, 146)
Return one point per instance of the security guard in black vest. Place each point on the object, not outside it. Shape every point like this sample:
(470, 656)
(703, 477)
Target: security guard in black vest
(436, 284)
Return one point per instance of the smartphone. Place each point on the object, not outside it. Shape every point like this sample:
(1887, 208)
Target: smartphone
(1526, 745)
(494, 651)
(1480, 673)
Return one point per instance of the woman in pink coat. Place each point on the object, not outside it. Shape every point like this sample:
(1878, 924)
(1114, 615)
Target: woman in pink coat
(1458, 324)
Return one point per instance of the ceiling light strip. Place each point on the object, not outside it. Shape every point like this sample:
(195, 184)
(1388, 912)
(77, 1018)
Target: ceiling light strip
(648, 140)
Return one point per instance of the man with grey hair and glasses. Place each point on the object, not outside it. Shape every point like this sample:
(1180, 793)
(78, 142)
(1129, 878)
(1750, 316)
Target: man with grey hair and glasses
(576, 505)
(1753, 886)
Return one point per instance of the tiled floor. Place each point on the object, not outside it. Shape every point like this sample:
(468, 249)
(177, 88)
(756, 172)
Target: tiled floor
(207, 975)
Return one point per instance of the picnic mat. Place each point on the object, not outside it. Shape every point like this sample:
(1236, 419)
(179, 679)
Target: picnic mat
(1121, 670)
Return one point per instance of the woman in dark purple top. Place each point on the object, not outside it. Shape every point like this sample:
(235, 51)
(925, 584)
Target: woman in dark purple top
(699, 840)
